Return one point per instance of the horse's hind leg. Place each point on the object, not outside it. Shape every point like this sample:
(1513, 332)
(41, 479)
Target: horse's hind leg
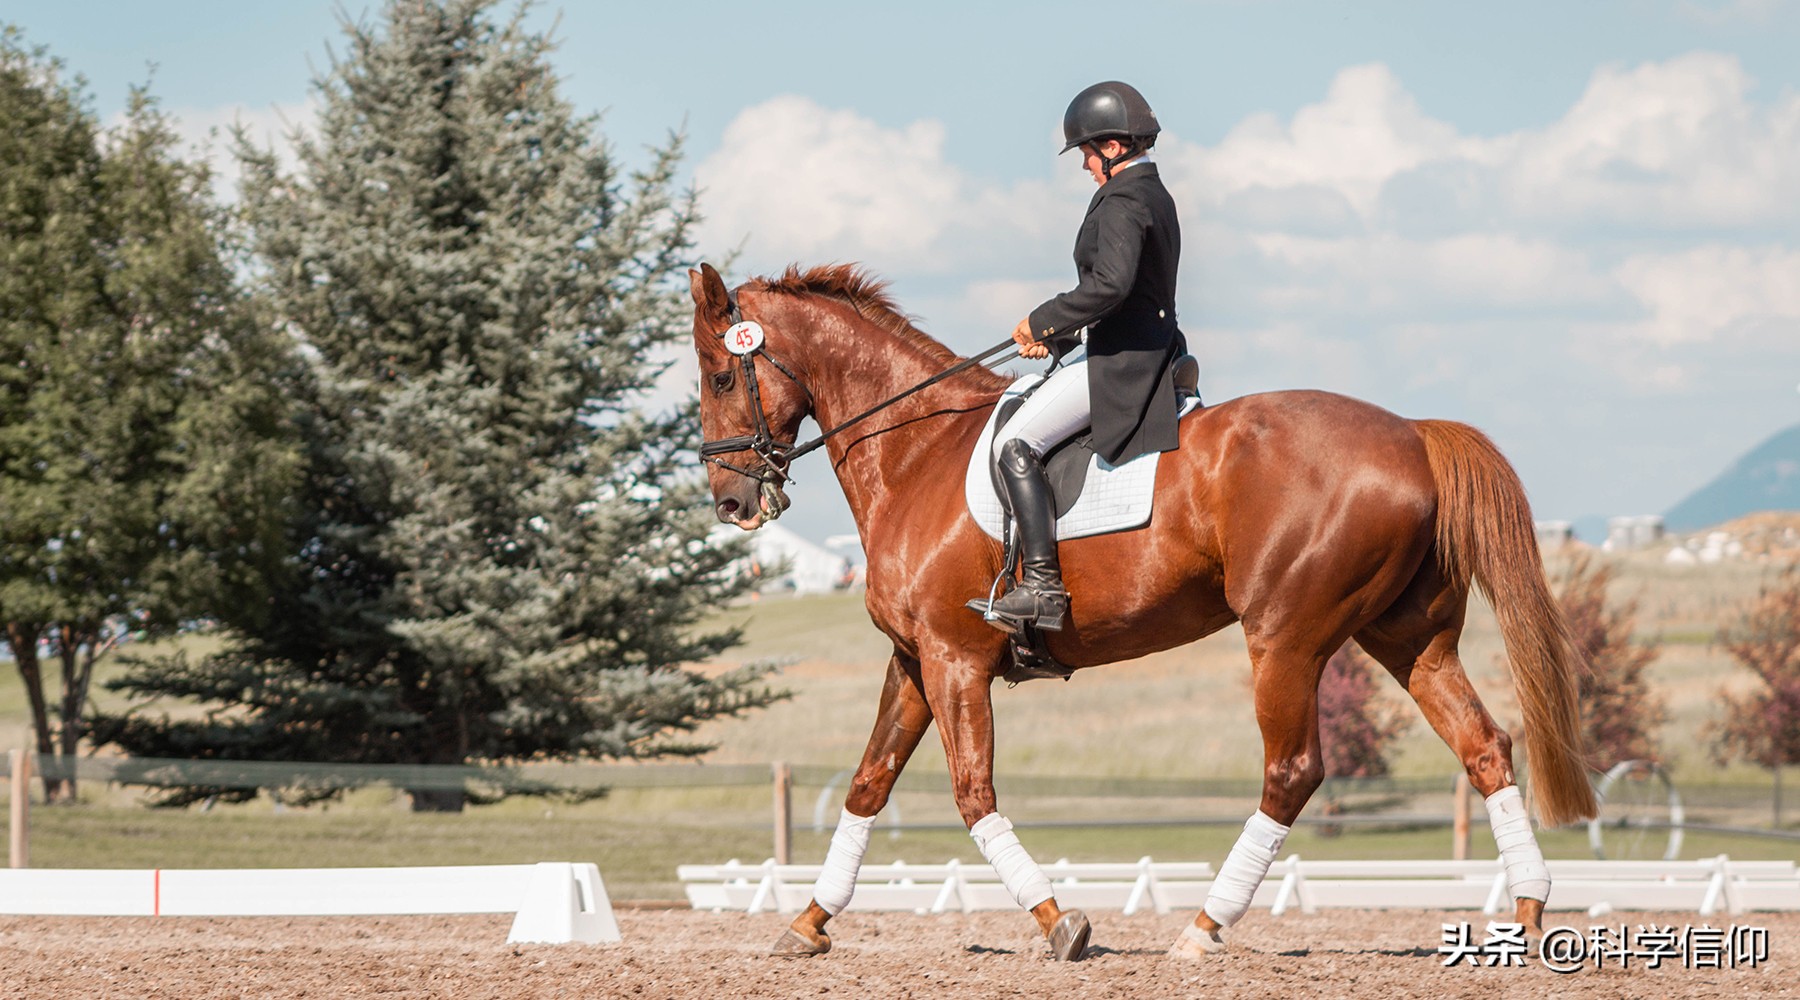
(1416, 641)
(899, 723)
(1286, 684)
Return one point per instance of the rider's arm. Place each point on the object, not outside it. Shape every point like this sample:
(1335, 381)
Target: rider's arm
(1121, 222)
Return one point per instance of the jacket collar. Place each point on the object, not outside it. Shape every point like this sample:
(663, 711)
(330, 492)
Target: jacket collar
(1139, 173)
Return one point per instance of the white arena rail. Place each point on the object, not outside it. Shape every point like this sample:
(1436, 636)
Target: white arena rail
(1706, 885)
(553, 902)
(950, 886)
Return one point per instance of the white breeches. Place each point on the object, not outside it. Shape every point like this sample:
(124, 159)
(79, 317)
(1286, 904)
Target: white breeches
(1056, 411)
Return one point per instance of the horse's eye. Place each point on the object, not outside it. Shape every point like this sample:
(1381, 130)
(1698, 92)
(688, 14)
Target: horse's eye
(721, 382)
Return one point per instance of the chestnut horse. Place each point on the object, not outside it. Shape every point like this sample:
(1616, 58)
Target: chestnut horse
(1309, 518)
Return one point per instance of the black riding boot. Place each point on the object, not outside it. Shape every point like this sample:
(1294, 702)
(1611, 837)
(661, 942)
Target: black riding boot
(1039, 599)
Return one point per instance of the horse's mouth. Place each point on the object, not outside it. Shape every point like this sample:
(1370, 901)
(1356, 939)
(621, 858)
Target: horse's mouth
(771, 503)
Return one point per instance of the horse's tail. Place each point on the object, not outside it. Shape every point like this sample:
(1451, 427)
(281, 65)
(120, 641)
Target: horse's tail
(1484, 530)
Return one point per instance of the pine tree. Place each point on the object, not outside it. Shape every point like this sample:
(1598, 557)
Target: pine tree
(144, 444)
(500, 558)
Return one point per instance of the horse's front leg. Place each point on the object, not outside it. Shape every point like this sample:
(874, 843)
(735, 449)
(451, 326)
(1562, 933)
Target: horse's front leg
(901, 721)
(960, 697)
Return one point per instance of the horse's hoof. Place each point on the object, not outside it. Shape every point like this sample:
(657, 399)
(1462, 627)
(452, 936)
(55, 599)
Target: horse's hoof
(1196, 945)
(793, 944)
(1069, 938)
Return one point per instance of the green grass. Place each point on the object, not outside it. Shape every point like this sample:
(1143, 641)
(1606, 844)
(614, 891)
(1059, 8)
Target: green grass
(1184, 713)
(637, 850)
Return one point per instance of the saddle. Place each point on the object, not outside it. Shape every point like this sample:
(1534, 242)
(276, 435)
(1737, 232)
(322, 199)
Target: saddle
(1128, 487)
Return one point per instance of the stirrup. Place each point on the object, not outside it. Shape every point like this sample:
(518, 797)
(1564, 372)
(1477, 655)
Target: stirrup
(1049, 610)
(985, 610)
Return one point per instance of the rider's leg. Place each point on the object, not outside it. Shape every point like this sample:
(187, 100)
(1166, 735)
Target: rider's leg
(1055, 412)
(1058, 410)
(1039, 599)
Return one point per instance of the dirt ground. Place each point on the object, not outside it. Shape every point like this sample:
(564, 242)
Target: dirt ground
(687, 954)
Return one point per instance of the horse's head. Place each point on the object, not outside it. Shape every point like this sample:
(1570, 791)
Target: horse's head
(751, 403)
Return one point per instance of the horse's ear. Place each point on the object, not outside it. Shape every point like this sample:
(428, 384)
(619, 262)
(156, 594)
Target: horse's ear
(708, 289)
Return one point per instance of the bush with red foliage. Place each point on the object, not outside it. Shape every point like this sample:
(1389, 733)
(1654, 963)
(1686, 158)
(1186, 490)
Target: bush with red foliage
(1356, 727)
(1763, 726)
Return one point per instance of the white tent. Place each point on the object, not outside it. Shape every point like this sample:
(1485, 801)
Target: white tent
(786, 561)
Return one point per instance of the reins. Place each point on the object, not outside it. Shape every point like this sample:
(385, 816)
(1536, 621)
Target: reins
(745, 339)
(960, 366)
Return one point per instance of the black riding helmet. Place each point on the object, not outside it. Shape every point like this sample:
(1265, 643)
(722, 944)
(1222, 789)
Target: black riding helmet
(1110, 109)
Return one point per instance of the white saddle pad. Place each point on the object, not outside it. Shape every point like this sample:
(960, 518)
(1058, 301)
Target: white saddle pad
(1115, 498)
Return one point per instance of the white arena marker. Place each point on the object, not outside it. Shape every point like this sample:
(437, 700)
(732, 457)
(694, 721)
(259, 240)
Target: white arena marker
(553, 902)
(563, 904)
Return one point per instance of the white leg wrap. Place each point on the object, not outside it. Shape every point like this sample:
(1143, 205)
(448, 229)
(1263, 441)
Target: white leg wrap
(1244, 869)
(1526, 874)
(1022, 877)
(837, 880)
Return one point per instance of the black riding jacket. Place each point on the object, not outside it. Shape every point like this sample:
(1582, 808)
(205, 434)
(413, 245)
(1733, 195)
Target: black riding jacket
(1126, 255)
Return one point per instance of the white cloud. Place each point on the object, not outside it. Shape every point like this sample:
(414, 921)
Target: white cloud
(808, 183)
(1384, 276)
(795, 181)
(1628, 216)
(1668, 146)
(1659, 210)
(1365, 131)
(1718, 293)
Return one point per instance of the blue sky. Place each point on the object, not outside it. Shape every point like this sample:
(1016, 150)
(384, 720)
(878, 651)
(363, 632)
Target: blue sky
(1576, 226)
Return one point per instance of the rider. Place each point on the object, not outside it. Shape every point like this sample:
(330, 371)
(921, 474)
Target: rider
(1125, 255)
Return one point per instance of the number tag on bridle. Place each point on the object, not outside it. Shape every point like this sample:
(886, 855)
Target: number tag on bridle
(744, 338)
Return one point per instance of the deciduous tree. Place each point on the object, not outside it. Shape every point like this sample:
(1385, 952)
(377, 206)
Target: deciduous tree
(1762, 725)
(1357, 727)
(501, 557)
(145, 443)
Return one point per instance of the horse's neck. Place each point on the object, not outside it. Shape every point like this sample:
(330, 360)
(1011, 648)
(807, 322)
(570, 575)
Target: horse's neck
(855, 364)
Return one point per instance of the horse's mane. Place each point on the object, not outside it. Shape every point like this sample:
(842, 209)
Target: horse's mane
(868, 295)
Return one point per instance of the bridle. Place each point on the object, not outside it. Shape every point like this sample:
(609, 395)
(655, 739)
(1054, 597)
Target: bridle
(776, 455)
(745, 339)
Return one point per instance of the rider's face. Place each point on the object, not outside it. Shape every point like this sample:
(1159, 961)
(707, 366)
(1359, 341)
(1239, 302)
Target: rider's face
(1092, 152)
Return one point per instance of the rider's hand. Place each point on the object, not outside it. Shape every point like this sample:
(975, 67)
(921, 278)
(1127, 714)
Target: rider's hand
(1028, 348)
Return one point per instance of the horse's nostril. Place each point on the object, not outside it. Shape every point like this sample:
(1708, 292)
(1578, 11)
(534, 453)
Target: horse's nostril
(728, 510)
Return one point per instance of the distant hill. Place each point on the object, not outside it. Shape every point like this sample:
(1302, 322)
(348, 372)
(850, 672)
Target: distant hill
(1768, 478)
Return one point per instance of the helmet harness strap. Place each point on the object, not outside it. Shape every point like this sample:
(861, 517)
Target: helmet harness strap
(1107, 163)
